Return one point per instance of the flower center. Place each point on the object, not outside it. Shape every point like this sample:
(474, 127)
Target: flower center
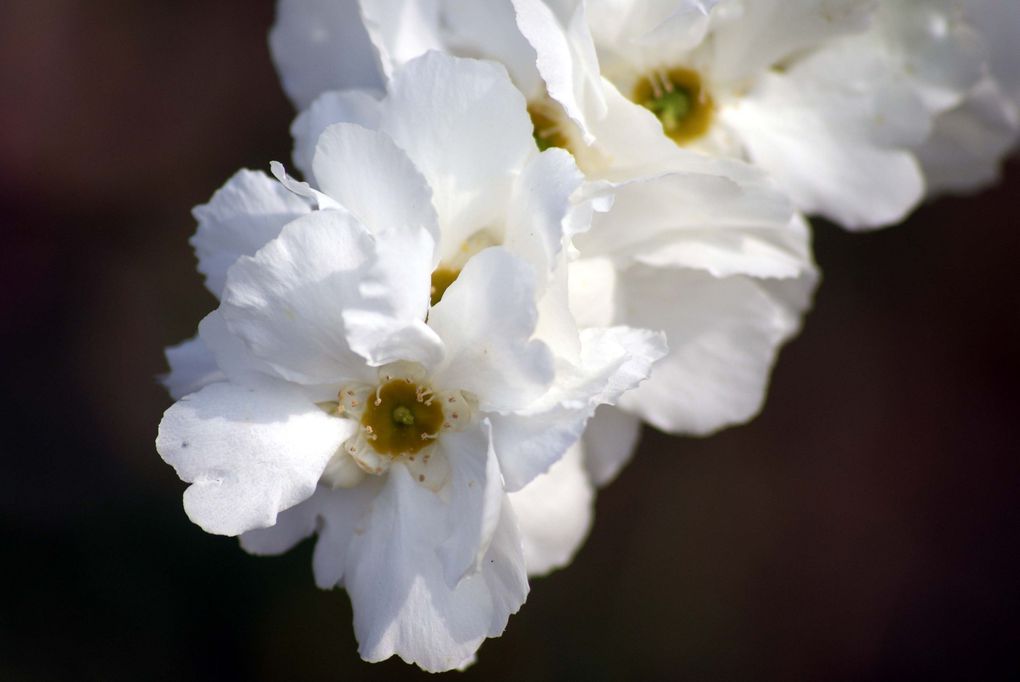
(401, 418)
(442, 278)
(547, 120)
(678, 100)
(449, 270)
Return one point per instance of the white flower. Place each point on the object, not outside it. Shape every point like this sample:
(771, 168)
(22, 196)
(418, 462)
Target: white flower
(703, 248)
(383, 375)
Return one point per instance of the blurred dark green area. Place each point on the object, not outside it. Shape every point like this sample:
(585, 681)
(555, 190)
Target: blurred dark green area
(864, 527)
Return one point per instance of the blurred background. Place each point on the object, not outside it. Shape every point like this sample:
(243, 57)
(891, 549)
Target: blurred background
(865, 526)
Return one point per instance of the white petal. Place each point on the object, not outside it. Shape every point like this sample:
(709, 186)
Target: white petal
(475, 495)
(231, 356)
(592, 283)
(821, 153)
(612, 361)
(342, 514)
(700, 221)
(554, 514)
(723, 335)
(292, 303)
(466, 128)
(539, 207)
(402, 603)
(242, 216)
(192, 366)
(349, 106)
(249, 453)
(609, 442)
(373, 179)
(322, 45)
(486, 319)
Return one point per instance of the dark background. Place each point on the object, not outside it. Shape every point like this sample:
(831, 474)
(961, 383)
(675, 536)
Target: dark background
(865, 526)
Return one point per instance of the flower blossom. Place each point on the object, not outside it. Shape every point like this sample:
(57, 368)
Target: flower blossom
(392, 357)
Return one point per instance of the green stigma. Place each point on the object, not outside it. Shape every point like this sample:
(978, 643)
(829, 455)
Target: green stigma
(404, 416)
(671, 108)
(547, 129)
(679, 101)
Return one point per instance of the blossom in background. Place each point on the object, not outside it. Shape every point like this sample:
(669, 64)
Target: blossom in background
(831, 97)
(703, 248)
(965, 150)
(380, 375)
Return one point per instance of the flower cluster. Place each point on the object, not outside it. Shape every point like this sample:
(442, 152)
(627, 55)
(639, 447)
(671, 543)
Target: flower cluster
(523, 228)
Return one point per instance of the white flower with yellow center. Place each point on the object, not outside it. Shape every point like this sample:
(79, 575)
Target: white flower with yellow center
(362, 382)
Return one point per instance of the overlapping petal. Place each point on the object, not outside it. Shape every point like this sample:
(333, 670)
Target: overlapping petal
(248, 452)
(244, 214)
(486, 320)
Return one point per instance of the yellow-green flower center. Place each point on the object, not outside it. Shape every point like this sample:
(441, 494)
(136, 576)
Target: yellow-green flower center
(548, 129)
(442, 278)
(679, 101)
(401, 418)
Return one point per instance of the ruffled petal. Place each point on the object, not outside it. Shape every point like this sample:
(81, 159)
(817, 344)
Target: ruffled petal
(292, 304)
(241, 218)
(249, 453)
